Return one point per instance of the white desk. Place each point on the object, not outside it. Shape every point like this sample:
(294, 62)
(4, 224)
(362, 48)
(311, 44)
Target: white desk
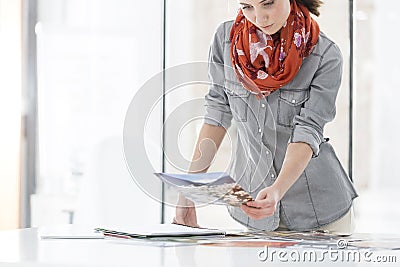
(24, 248)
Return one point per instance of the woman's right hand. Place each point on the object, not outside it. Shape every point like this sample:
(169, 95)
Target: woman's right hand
(185, 212)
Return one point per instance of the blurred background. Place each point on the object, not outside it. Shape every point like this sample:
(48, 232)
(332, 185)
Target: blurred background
(70, 68)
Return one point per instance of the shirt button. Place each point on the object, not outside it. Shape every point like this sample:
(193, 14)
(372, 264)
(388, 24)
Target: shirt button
(272, 175)
(263, 105)
(259, 130)
(267, 152)
(294, 101)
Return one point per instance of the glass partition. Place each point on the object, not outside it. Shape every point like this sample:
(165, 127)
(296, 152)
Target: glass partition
(93, 56)
(376, 168)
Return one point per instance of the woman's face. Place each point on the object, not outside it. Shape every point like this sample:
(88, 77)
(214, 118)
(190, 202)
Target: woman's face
(268, 15)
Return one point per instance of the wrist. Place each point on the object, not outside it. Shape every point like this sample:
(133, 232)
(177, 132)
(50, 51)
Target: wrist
(279, 189)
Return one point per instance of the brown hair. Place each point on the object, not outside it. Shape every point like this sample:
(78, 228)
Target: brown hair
(311, 5)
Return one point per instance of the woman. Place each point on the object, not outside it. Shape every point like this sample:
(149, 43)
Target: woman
(278, 76)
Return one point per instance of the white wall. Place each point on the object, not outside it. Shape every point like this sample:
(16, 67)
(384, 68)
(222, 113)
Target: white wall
(10, 112)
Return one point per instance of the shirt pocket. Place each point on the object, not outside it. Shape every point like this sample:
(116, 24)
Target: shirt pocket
(238, 99)
(289, 104)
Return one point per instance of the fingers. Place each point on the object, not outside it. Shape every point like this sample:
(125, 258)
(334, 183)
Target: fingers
(264, 199)
(258, 213)
(263, 203)
(190, 223)
(259, 209)
(186, 216)
(196, 225)
(262, 195)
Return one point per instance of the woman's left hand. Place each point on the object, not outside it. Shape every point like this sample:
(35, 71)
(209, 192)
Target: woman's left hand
(264, 205)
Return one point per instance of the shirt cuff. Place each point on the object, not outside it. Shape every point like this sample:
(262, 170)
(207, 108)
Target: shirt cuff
(308, 135)
(218, 118)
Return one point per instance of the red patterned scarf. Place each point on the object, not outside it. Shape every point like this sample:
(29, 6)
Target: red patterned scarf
(264, 63)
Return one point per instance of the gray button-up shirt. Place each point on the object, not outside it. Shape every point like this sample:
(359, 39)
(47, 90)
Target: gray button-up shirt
(297, 112)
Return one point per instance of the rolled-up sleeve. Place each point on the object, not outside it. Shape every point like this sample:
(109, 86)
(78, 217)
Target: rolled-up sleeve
(320, 108)
(218, 111)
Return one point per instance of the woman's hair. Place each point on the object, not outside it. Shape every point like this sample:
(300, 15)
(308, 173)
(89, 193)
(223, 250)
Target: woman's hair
(311, 5)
